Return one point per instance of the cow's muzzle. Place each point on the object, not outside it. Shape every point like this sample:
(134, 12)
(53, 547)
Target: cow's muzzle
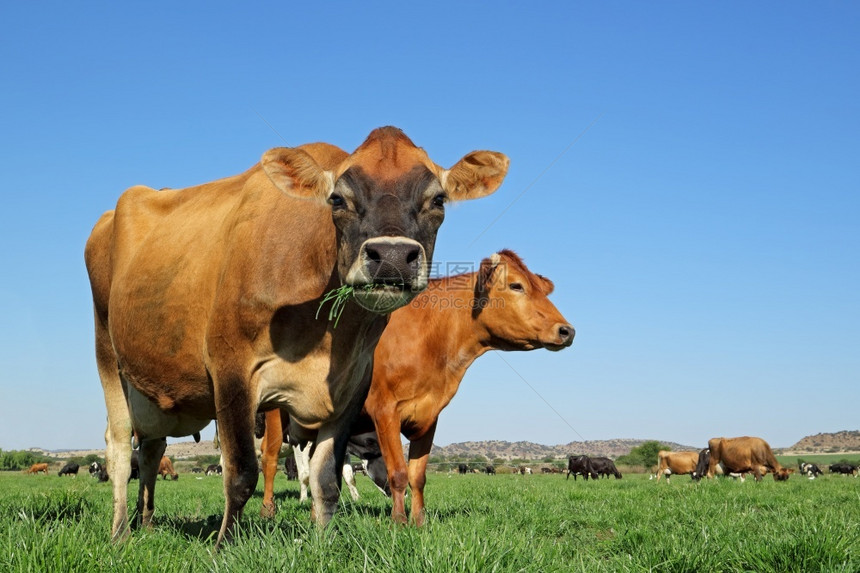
(388, 273)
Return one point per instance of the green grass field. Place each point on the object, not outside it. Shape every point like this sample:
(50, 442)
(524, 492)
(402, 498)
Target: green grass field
(475, 523)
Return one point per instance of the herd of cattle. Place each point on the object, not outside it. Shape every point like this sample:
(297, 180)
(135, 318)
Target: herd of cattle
(207, 303)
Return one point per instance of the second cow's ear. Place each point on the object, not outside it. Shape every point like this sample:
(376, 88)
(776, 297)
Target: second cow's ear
(486, 275)
(477, 174)
(295, 172)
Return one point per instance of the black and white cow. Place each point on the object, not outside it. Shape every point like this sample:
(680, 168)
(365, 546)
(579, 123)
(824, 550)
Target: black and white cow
(580, 465)
(214, 470)
(99, 471)
(810, 470)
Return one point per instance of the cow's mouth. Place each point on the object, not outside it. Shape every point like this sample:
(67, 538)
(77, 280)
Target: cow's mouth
(383, 297)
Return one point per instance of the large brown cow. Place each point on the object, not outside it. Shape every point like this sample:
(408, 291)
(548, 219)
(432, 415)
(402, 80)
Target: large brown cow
(669, 463)
(424, 353)
(206, 301)
(36, 468)
(746, 454)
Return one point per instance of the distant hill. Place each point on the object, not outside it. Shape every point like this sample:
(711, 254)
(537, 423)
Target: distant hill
(531, 451)
(844, 441)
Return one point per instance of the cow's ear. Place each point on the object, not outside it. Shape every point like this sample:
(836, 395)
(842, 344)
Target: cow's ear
(295, 172)
(476, 175)
(486, 273)
(547, 286)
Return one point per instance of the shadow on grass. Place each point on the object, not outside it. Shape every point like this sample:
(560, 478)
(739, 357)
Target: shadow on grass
(200, 529)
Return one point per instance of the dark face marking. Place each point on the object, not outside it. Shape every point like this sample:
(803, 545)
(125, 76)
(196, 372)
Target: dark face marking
(363, 208)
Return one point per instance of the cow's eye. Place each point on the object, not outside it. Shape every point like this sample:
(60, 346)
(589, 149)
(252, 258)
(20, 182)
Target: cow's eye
(336, 201)
(516, 287)
(439, 200)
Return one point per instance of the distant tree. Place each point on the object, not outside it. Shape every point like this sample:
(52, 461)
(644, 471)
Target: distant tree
(644, 455)
(498, 461)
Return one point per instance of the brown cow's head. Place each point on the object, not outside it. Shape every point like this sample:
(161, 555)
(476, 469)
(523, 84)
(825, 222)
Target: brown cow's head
(782, 474)
(511, 302)
(387, 201)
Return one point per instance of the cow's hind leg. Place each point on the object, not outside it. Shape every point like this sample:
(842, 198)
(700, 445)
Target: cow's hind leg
(326, 465)
(118, 432)
(151, 451)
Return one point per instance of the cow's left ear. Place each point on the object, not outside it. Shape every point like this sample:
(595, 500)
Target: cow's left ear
(295, 172)
(485, 274)
(476, 175)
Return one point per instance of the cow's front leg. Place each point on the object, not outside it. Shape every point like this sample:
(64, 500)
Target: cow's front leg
(419, 452)
(150, 454)
(326, 464)
(236, 431)
(388, 433)
(272, 441)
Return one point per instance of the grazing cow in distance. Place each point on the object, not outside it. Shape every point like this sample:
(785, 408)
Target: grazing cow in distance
(429, 344)
(197, 470)
(490, 469)
(99, 471)
(745, 454)
(214, 470)
(605, 467)
(206, 301)
(37, 468)
(165, 468)
(580, 465)
(463, 469)
(811, 470)
(669, 463)
(843, 468)
(70, 469)
(705, 462)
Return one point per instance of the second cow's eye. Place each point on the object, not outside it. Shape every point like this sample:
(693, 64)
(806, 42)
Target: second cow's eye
(517, 287)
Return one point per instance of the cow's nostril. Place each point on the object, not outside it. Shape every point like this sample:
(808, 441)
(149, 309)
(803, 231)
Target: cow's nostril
(412, 255)
(373, 254)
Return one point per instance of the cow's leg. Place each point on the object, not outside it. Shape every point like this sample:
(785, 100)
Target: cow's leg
(388, 433)
(272, 441)
(302, 455)
(240, 469)
(118, 432)
(349, 479)
(419, 452)
(151, 451)
(325, 466)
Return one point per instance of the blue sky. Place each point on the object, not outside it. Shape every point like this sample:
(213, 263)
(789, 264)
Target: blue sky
(688, 176)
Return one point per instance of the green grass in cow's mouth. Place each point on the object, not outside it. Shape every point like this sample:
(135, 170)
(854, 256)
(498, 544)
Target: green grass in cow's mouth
(340, 296)
(343, 293)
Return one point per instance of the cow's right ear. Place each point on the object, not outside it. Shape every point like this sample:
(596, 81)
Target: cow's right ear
(295, 172)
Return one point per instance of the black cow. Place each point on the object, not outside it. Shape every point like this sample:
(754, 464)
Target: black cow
(290, 468)
(605, 467)
(843, 468)
(214, 470)
(463, 469)
(70, 469)
(580, 465)
(491, 470)
(197, 470)
(812, 470)
(135, 466)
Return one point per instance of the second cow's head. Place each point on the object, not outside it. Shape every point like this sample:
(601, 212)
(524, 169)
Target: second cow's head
(387, 201)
